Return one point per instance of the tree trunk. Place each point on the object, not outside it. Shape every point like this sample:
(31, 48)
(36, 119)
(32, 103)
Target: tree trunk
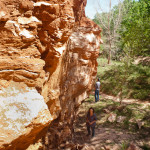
(120, 97)
(109, 54)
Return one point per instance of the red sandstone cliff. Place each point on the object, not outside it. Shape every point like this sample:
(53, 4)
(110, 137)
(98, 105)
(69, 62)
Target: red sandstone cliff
(48, 52)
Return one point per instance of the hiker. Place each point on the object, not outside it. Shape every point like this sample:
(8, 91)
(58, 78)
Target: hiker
(97, 88)
(91, 122)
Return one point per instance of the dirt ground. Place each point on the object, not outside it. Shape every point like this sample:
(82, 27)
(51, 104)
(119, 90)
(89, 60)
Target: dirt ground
(109, 136)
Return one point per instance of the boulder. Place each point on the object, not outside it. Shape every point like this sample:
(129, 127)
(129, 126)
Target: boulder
(133, 146)
(121, 108)
(140, 123)
(112, 117)
(106, 111)
(121, 119)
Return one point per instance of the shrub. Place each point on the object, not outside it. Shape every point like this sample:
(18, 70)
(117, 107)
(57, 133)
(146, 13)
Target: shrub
(133, 81)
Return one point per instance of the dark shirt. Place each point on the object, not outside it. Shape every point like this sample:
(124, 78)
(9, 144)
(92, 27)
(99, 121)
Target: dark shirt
(91, 119)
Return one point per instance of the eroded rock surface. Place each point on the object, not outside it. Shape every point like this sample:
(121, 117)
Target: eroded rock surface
(48, 52)
(23, 113)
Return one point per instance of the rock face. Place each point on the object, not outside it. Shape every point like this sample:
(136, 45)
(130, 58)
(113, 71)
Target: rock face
(48, 52)
(23, 113)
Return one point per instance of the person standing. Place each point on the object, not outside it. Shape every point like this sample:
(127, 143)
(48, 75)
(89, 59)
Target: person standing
(91, 122)
(97, 89)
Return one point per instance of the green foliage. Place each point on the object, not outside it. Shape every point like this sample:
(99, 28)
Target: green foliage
(135, 29)
(124, 145)
(132, 80)
(145, 147)
(133, 35)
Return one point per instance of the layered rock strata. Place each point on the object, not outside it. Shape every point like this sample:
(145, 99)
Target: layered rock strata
(48, 52)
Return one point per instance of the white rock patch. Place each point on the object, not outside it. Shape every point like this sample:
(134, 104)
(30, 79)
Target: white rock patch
(12, 26)
(61, 49)
(2, 14)
(90, 37)
(42, 3)
(19, 105)
(26, 33)
(25, 20)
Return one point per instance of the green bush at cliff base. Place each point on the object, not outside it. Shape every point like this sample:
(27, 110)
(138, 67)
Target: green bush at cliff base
(132, 80)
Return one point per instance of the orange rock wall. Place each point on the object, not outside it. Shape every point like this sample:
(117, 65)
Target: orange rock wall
(48, 52)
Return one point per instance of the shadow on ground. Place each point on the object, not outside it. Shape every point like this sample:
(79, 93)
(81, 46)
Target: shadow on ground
(109, 135)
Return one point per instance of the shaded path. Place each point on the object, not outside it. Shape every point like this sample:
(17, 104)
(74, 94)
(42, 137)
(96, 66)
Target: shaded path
(108, 136)
(126, 101)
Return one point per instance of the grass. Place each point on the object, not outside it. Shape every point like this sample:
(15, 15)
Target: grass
(133, 112)
(103, 66)
(136, 86)
(124, 146)
(132, 80)
(145, 147)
